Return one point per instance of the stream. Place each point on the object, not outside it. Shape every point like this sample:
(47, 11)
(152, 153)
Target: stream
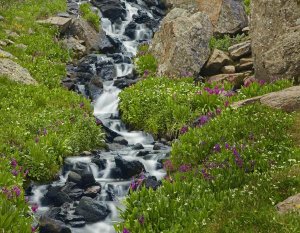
(90, 188)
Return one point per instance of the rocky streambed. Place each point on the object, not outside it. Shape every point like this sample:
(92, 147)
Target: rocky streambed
(91, 186)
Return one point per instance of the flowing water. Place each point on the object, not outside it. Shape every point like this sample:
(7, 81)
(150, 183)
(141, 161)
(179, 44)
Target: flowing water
(106, 109)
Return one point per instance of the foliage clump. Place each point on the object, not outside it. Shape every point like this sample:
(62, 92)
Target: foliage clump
(89, 15)
(145, 62)
(224, 42)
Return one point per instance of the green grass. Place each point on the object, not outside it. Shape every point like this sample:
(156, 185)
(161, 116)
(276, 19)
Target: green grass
(145, 62)
(89, 15)
(218, 193)
(247, 4)
(224, 42)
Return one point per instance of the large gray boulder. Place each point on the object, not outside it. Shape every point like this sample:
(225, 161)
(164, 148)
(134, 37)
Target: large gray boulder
(15, 72)
(275, 29)
(227, 16)
(182, 43)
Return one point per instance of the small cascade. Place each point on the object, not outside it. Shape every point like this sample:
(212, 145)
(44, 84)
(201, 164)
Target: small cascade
(102, 179)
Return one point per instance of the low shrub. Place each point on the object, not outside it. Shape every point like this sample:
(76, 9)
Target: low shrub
(145, 62)
(224, 42)
(89, 15)
(225, 176)
(162, 105)
(247, 4)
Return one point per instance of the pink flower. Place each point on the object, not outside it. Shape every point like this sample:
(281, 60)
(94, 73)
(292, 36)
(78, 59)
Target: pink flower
(16, 190)
(34, 208)
(125, 230)
(14, 163)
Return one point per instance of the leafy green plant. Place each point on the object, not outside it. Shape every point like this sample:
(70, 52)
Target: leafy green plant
(247, 4)
(89, 15)
(224, 42)
(145, 62)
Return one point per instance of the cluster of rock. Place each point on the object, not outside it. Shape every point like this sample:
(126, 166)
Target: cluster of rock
(182, 43)
(233, 66)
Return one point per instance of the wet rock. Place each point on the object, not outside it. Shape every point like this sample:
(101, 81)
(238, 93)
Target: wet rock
(87, 179)
(48, 225)
(56, 197)
(106, 70)
(85, 153)
(142, 153)
(92, 191)
(69, 83)
(92, 210)
(158, 146)
(130, 30)
(151, 182)
(116, 173)
(101, 163)
(119, 58)
(138, 146)
(182, 43)
(157, 11)
(121, 140)
(159, 165)
(112, 9)
(76, 194)
(144, 18)
(129, 168)
(76, 224)
(240, 50)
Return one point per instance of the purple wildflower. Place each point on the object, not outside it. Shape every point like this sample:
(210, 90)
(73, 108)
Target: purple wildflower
(203, 120)
(262, 82)
(33, 228)
(227, 146)
(45, 132)
(226, 103)
(168, 166)
(14, 163)
(15, 172)
(184, 130)
(98, 122)
(146, 73)
(141, 220)
(217, 148)
(37, 140)
(206, 176)
(237, 158)
(26, 173)
(133, 185)
(185, 168)
(34, 208)
(125, 230)
(218, 111)
(16, 190)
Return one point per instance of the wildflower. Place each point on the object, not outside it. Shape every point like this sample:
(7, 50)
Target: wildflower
(227, 146)
(37, 140)
(237, 158)
(133, 185)
(218, 111)
(169, 178)
(26, 173)
(98, 122)
(217, 148)
(34, 228)
(14, 172)
(168, 166)
(184, 130)
(81, 105)
(262, 82)
(34, 208)
(146, 73)
(206, 175)
(185, 168)
(45, 132)
(16, 190)
(226, 103)
(125, 230)
(141, 220)
(14, 163)
(203, 120)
